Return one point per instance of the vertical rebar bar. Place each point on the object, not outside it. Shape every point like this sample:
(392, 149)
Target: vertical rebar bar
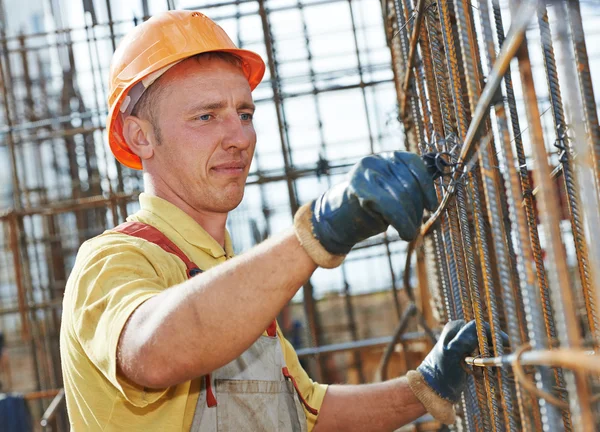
(586, 180)
(567, 327)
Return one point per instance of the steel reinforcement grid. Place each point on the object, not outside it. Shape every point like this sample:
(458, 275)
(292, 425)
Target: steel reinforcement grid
(514, 242)
(501, 93)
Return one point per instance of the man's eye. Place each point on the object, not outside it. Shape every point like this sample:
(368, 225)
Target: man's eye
(204, 117)
(245, 117)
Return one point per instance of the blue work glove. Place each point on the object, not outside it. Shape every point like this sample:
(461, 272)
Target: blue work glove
(381, 190)
(440, 379)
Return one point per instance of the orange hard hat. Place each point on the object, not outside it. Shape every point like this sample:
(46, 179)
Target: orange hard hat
(149, 50)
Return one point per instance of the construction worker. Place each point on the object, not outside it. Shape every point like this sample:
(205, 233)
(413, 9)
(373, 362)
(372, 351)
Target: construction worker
(163, 328)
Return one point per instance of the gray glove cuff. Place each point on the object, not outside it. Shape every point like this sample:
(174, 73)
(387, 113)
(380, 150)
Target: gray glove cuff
(312, 246)
(441, 409)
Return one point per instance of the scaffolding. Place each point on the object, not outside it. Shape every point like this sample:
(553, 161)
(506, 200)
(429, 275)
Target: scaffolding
(507, 245)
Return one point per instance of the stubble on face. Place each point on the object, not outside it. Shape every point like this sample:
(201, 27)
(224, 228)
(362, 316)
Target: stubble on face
(205, 163)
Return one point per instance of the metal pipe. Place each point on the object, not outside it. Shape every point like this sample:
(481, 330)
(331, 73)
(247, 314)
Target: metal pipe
(360, 345)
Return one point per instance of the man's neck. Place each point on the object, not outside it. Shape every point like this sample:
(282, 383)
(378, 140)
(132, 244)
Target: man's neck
(213, 223)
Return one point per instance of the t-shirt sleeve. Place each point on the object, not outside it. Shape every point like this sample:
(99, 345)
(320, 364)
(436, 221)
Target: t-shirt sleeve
(313, 392)
(109, 286)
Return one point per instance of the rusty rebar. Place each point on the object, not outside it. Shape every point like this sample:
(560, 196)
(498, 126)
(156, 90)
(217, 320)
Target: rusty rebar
(567, 327)
(500, 201)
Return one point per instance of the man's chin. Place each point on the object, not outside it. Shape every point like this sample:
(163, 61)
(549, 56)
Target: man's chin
(229, 203)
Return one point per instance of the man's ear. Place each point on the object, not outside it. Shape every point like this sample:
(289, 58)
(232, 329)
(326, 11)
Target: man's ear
(139, 136)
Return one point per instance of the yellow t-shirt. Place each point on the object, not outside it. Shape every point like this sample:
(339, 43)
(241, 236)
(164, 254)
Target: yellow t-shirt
(113, 274)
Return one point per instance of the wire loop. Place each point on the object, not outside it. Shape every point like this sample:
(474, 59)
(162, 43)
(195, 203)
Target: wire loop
(521, 377)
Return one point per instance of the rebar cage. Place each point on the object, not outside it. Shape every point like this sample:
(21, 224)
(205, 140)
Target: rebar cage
(511, 243)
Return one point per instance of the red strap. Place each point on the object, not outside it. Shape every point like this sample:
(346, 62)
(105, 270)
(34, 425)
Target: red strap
(211, 400)
(272, 329)
(153, 235)
(288, 375)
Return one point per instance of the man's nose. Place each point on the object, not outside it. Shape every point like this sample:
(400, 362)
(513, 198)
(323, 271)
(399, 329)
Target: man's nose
(237, 134)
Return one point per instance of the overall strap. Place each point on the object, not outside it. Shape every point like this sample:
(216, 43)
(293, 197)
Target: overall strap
(154, 235)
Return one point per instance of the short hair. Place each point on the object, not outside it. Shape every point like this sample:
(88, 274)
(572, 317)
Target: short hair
(145, 108)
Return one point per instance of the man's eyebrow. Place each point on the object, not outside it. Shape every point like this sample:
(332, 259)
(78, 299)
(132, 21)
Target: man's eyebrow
(247, 105)
(209, 106)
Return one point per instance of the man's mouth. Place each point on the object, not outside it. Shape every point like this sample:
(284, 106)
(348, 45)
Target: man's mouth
(230, 168)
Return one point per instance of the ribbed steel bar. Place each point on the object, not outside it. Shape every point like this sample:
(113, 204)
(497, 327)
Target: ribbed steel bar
(525, 294)
(438, 132)
(435, 278)
(454, 303)
(439, 94)
(511, 304)
(445, 278)
(560, 128)
(502, 250)
(523, 255)
(439, 99)
(513, 41)
(566, 322)
(593, 137)
(585, 83)
(571, 187)
(586, 181)
(463, 118)
(467, 41)
(421, 80)
(430, 79)
(441, 72)
(580, 144)
(414, 37)
(402, 19)
(460, 304)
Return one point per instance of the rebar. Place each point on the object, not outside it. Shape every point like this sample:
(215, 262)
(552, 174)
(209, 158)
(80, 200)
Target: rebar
(495, 250)
(490, 212)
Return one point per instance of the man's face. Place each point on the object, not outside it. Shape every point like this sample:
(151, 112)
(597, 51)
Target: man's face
(207, 138)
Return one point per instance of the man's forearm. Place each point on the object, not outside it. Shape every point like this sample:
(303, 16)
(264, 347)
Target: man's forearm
(204, 323)
(377, 407)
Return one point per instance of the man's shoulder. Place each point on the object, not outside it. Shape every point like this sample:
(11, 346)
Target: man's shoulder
(113, 259)
(107, 243)
(115, 248)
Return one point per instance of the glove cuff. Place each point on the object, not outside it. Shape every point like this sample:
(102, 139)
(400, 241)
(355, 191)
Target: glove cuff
(304, 232)
(441, 409)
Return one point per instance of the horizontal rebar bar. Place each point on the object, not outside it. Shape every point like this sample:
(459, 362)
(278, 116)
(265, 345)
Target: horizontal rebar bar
(582, 360)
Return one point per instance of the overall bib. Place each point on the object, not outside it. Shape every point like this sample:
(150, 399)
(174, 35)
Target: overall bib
(254, 392)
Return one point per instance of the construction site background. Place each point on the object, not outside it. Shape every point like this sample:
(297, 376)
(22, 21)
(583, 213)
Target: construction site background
(334, 92)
